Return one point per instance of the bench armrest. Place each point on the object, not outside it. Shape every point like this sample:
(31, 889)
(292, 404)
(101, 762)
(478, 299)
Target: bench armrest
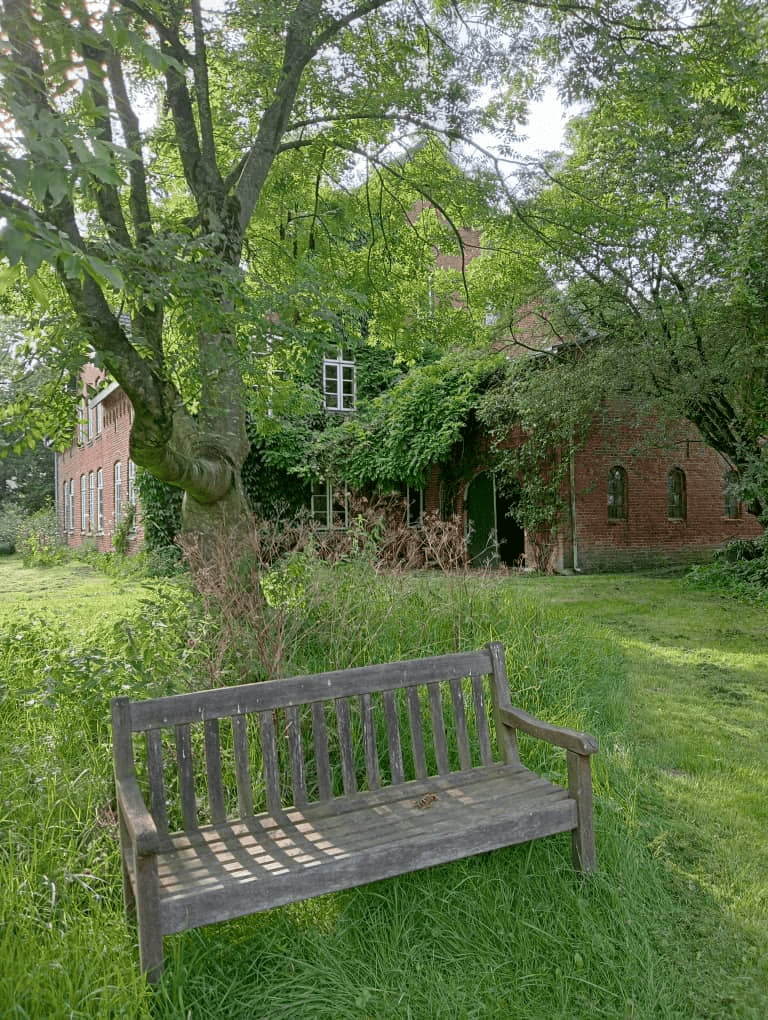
(139, 823)
(572, 740)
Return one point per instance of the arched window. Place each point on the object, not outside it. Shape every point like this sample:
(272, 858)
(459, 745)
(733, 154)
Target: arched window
(617, 494)
(732, 504)
(677, 508)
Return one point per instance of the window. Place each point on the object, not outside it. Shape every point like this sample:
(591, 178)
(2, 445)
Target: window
(415, 503)
(732, 502)
(329, 508)
(82, 425)
(83, 503)
(617, 494)
(91, 499)
(99, 409)
(131, 483)
(100, 501)
(65, 506)
(71, 518)
(91, 422)
(339, 383)
(118, 492)
(677, 509)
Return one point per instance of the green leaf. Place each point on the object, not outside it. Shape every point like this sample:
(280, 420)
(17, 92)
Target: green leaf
(103, 272)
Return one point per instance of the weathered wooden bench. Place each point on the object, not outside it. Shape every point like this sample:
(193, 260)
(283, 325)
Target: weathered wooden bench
(240, 799)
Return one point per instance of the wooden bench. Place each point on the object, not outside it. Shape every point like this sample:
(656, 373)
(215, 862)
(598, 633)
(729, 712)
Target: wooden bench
(240, 799)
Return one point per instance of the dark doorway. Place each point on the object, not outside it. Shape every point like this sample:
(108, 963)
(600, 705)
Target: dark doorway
(510, 536)
(495, 537)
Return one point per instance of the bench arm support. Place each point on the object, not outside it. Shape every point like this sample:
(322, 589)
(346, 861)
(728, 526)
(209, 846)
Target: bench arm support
(139, 823)
(560, 736)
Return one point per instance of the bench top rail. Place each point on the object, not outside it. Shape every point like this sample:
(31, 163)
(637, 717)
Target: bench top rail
(301, 690)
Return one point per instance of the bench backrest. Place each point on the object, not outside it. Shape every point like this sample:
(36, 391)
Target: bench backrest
(214, 755)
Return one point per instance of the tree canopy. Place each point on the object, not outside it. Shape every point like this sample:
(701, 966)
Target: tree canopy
(156, 153)
(646, 244)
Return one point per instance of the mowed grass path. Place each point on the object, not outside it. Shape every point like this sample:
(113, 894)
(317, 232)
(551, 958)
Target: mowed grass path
(675, 924)
(697, 732)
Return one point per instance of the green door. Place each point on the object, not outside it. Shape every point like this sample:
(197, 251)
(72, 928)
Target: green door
(480, 505)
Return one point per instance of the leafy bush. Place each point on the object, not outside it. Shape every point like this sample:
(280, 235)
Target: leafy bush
(160, 510)
(37, 539)
(10, 521)
(740, 569)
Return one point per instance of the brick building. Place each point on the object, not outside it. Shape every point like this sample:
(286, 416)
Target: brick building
(95, 477)
(633, 499)
(631, 503)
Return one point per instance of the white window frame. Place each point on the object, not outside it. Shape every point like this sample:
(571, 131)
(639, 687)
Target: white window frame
(91, 500)
(337, 371)
(65, 508)
(83, 504)
(71, 519)
(118, 489)
(325, 510)
(100, 502)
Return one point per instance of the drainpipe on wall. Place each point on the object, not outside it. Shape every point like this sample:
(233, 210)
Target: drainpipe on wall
(572, 481)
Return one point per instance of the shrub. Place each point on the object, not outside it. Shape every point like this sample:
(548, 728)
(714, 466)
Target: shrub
(37, 539)
(10, 521)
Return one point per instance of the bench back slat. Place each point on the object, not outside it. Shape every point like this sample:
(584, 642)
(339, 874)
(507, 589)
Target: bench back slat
(394, 746)
(438, 728)
(213, 770)
(322, 758)
(375, 727)
(460, 719)
(481, 718)
(346, 754)
(417, 733)
(369, 742)
(296, 752)
(242, 765)
(155, 775)
(186, 776)
(269, 761)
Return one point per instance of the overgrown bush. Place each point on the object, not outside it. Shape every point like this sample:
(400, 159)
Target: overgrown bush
(740, 568)
(37, 539)
(10, 520)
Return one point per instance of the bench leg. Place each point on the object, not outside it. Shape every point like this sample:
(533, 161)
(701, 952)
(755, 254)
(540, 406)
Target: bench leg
(125, 848)
(148, 918)
(580, 789)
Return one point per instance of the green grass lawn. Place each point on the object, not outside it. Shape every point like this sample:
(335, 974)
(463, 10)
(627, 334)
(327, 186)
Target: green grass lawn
(672, 681)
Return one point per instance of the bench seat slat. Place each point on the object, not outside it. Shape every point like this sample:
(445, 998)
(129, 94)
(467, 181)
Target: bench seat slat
(258, 697)
(227, 871)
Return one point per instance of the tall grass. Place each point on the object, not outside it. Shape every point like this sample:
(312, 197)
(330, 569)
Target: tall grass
(516, 933)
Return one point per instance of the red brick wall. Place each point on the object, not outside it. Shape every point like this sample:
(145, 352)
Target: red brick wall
(84, 456)
(647, 536)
